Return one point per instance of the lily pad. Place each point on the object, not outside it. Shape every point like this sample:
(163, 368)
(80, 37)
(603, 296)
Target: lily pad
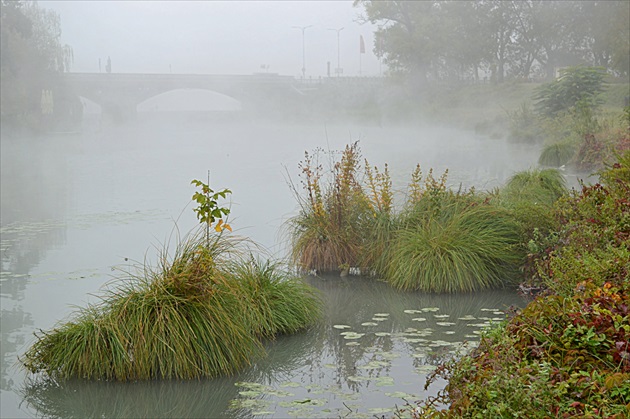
(381, 315)
(412, 311)
(427, 309)
(401, 395)
(252, 385)
(341, 326)
(467, 317)
(441, 316)
(380, 410)
(380, 334)
(279, 393)
(419, 319)
(423, 369)
(248, 404)
(373, 365)
(387, 355)
(250, 393)
(353, 344)
(369, 324)
(384, 381)
(290, 384)
(445, 323)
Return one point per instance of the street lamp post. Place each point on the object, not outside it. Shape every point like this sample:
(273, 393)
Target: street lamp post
(303, 28)
(338, 69)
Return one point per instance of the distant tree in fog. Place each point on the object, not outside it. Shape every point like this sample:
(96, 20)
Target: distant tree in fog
(518, 39)
(31, 56)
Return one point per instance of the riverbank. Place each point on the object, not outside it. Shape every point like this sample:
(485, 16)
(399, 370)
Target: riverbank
(485, 107)
(567, 354)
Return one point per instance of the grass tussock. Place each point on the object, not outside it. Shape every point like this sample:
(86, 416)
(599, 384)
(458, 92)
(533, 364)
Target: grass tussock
(457, 245)
(191, 317)
(439, 240)
(538, 186)
(279, 303)
(557, 154)
(326, 235)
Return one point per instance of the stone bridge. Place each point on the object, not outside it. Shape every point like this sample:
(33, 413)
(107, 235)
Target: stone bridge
(118, 94)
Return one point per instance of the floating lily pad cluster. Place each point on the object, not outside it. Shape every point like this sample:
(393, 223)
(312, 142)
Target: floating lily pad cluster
(372, 372)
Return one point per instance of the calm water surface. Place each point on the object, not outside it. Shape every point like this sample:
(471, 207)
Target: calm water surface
(76, 207)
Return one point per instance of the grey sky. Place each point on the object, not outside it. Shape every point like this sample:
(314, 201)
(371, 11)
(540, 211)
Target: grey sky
(215, 37)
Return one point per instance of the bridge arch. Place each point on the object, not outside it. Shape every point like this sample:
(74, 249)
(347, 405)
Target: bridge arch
(189, 100)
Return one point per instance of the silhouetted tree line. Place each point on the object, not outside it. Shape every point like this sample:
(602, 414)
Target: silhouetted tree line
(499, 39)
(31, 61)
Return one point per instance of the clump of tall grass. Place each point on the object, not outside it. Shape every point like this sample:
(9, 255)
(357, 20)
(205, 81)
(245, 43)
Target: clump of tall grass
(189, 318)
(557, 154)
(381, 222)
(278, 302)
(451, 241)
(326, 234)
(539, 186)
(440, 240)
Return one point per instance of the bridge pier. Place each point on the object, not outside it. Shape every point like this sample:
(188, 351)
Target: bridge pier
(123, 111)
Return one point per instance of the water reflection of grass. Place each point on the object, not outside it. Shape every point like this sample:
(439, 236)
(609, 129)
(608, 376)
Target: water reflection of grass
(372, 366)
(149, 399)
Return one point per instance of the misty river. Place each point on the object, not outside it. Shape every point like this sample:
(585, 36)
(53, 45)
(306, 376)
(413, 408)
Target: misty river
(78, 206)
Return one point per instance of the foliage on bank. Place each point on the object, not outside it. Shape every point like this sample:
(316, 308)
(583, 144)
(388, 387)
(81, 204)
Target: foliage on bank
(570, 123)
(436, 239)
(567, 354)
(201, 313)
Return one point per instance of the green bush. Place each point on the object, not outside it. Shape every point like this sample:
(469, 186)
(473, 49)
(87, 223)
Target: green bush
(581, 86)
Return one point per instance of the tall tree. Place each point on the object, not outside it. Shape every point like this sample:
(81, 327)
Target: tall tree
(439, 39)
(406, 35)
(32, 55)
(605, 31)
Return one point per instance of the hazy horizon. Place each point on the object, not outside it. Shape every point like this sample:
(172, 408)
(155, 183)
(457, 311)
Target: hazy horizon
(216, 37)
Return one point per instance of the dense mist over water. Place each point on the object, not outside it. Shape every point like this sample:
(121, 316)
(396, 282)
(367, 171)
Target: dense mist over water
(134, 100)
(76, 206)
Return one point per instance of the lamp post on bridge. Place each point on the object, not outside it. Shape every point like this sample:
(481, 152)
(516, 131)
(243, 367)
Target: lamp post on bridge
(338, 70)
(303, 28)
